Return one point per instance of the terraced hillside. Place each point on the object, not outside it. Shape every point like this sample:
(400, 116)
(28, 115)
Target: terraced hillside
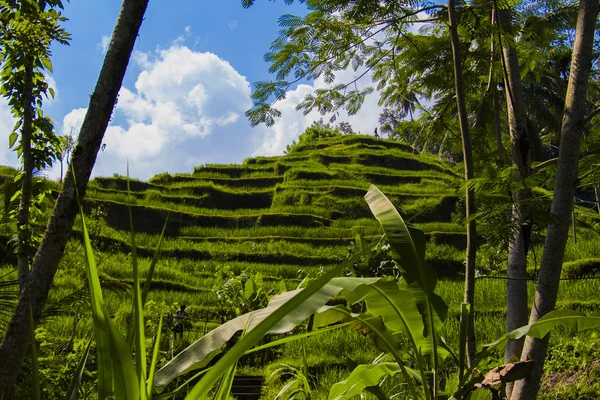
(287, 218)
(282, 216)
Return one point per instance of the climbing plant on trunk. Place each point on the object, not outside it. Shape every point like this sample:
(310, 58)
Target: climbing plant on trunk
(28, 29)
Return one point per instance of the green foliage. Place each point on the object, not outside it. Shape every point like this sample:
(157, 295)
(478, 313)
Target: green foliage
(314, 132)
(240, 295)
(28, 30)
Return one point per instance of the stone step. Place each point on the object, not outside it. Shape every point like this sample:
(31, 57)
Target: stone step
(247, 387)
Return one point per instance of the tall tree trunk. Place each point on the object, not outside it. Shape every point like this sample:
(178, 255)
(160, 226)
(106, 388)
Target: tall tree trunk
(564, 191)
(47, 258)
(469, 174)
(23, 227)
(517, 311)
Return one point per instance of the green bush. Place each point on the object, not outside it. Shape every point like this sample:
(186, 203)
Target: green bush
(312, 134)
(581, 268)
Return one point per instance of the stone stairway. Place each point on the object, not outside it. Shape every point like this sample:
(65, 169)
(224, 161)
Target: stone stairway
(247, 387)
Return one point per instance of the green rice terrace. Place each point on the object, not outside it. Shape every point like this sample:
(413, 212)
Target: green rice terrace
(276, 221)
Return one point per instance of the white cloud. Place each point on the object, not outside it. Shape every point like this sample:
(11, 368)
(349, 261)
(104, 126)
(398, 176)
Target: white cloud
(188, 30)
(273, 140)
(51, 84)
(187, 108)
(72, 121)
(103, 44)
(182, 102)
(232, 24)
(7, 122)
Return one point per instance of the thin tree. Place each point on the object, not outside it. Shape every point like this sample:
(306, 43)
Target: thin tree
(463, 119)
(564, 191)
(28, 30)
(45, 263)
(68, 142)
(520, 145)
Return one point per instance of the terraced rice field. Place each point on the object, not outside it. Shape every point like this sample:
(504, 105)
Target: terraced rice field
(286, 218)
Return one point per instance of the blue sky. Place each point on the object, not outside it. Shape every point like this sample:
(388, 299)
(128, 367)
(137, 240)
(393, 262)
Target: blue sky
(186, 89)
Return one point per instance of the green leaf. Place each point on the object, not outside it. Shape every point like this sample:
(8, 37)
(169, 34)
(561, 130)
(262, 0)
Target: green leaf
(481, 394)
(543, 326)
(408, 251)
(155, 352)
(12, 139)
(249, 288)
(47, 64)
(115, 369)
(363, 376)
(73, 390)
(573, 319)
(408, 243)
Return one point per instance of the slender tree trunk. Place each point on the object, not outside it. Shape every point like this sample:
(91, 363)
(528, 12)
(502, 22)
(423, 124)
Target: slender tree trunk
(564, 191)
(16, 341)
(517, 311)
(469, 174)
(497, 127)
(492, 88)
(23, 227)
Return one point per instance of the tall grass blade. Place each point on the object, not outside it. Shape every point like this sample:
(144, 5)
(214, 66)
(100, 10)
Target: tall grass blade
(73, 390)
(115, 369)
(148, 282)
(138, 312)
(35, 370)
(101, 321)
(150, 382)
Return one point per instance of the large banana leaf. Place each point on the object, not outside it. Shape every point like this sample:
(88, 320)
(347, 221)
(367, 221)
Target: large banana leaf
(408, 251)
(199, 353)
(544, 325)
(366, 376)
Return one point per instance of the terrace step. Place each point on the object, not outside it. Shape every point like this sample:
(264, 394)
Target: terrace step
(247, 387)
